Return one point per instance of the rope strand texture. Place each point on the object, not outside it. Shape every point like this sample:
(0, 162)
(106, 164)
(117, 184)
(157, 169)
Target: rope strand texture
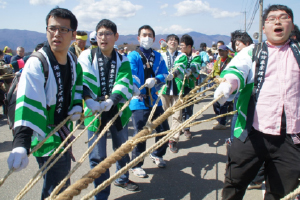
(145, 153)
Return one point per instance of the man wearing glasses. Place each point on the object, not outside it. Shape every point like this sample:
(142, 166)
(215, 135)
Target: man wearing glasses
(171, 92)
(107, 78)
(268, 124)
(42, 103)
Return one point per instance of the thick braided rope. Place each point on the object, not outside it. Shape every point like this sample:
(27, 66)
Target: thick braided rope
(94, 173)
(155, 105)
(38, 146)
(186, 104)
(145, 153)
(181, 91)
(85, 155)
(43, 169)
(142, 139)
(143, 86)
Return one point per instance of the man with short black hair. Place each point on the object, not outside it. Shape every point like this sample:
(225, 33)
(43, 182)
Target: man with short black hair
(174, 85)
(267, 128)
(107, 77)
(43, 103)
(193, 66)
(148, 67)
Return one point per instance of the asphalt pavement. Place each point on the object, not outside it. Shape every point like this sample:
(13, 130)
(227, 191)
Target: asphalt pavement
(195, 172)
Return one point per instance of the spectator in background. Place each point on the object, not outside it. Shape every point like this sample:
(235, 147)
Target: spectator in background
(170, 95)
(79, 45)
(7, 54)
(20, 54)
(219, 66)
(205, 59)
(295, 34)
(240, 40)
(93, 40)
(116, 47)
(219, 43)
(121, 51)
(19, 64)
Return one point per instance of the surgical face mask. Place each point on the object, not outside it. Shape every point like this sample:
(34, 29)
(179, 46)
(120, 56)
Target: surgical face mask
(146, 42)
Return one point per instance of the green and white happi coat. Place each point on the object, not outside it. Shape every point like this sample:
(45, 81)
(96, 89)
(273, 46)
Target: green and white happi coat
(123, 85)
(244, 69)
(35, 104)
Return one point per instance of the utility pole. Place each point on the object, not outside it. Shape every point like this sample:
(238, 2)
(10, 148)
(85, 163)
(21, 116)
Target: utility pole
(260, 20)
(245, 20)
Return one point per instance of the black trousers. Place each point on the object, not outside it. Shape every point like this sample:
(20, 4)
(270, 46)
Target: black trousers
(281, 157)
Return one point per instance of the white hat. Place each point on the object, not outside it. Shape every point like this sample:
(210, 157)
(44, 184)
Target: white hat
(115, 46)
(93, 36)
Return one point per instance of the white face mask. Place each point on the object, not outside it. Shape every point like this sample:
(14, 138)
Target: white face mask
(146, 42)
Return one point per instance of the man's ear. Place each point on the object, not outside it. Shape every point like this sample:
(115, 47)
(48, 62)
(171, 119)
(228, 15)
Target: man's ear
(116, 37)
(74, 35)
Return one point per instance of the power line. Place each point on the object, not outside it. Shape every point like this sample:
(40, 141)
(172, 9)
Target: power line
(256, 7)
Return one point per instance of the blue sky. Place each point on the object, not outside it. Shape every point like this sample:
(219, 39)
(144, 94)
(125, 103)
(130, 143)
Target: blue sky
(165, 16)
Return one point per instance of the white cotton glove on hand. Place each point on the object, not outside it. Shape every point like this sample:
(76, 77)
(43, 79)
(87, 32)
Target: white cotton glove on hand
(169, 77)
(107, 104)
(150, 82)
(93, 105)
(188, 72)
(136, 91)
(224, 88)
(75, 109)
(18, 159)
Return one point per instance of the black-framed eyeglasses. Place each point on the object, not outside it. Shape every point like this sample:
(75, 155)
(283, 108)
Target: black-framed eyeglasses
(106, 34)
(63, 30)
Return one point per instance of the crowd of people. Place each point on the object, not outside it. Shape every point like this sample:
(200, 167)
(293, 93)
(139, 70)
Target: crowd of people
(101, 77)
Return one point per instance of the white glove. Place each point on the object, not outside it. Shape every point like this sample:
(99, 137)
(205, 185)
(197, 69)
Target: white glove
(224, 88)
(188, 72)
(94, 105)
(107, 104)
(136, 91)
(150, 82)
(169, 77)
(74, 110)
(18, 159)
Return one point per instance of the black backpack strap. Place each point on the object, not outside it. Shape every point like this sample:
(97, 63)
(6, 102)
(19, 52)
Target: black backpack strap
(120, 56)
(74, 57)
(44, 62)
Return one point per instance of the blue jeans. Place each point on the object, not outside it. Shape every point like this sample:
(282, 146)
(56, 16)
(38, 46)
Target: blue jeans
(200, 80)
(56, 173)
(234, 118)
(221, 110)
(139, 119)
(188, 111)
(98, 154)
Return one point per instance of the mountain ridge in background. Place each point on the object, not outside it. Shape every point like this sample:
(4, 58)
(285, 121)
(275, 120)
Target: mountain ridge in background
(29, 39)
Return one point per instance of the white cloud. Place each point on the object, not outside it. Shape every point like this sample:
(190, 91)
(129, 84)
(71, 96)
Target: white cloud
(90, 12)
(188, 7)
(177, 29)
(43, 2)
(2, 4)
(164, 6)
(163, 13)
